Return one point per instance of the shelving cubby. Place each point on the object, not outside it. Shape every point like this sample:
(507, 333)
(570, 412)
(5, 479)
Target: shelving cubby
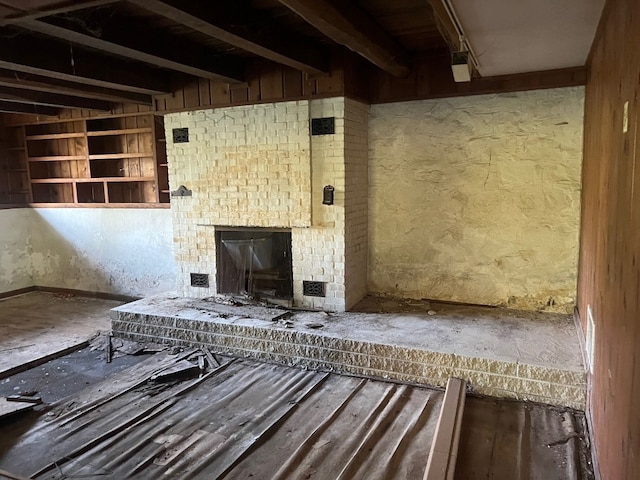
(98, 160)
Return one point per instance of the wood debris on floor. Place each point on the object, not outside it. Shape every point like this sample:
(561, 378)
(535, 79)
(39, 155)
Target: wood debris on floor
(240, 418)
(39, 326)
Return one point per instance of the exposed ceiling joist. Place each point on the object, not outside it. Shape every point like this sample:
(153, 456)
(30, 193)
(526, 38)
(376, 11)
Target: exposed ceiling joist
(214, 21)
(51, 85)
(134, 42)
(51, 99)
(445, 24)
(48, 7)
(14, 107)
(28, 54)
(346, 24)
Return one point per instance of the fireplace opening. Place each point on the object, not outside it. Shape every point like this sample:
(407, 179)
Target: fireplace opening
(255, 262)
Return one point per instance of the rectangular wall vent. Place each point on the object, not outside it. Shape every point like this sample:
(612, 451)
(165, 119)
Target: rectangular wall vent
(200, 280)
(313, 289)
(323, 126)
(180, 135)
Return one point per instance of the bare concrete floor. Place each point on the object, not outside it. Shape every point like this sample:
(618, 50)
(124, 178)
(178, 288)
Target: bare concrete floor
(500, 352)
(527, 337)
(38, 325)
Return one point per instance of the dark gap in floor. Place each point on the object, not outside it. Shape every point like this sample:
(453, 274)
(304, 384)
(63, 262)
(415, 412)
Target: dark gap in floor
(66, 375)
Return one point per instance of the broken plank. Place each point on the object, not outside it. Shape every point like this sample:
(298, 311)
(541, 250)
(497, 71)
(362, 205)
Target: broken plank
(181, 369)
(444, 448)
(33, 399)
(108, 349)
(9, 408)
(201, 362)
(213, 362)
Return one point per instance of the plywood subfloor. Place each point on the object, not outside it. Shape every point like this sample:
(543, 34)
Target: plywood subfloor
(38, 325)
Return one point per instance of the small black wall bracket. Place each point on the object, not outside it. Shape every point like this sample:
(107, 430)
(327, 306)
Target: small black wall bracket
(327, 195)
(182, 191)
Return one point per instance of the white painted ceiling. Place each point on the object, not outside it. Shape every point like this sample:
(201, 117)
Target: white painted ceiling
(517, 36)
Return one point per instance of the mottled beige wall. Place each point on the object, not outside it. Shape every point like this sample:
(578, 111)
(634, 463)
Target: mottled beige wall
(121, 251)
(125, 251)
(16, 266)
(477, 199)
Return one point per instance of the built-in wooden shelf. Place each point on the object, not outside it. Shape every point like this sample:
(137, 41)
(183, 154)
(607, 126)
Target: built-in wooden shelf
(54, 136)
(105, 160)
(92, 179)
(122, 131)
(117, 179)
(53, 180)
(56, 158)
(116, 156)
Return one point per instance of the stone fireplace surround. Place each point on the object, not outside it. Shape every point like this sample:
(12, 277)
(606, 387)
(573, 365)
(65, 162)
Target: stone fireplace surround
(259, 166)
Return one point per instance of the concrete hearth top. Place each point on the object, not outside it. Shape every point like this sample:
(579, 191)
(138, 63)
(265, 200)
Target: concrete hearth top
(501, 352)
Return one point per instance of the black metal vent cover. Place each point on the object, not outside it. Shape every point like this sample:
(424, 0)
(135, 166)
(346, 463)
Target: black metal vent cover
(313, 289)
(323, 126)
(180, 135)
(200, 280)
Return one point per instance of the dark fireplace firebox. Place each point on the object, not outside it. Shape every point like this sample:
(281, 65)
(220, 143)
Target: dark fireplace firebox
(255, 262)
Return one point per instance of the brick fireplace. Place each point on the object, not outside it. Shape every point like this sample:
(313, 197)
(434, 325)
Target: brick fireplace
(259, 166)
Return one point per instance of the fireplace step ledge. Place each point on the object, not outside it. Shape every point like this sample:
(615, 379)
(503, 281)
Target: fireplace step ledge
(526, 359)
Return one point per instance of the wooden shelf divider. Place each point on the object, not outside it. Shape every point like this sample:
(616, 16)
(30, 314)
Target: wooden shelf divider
(123, 131)
(54, 136)
(117, 156)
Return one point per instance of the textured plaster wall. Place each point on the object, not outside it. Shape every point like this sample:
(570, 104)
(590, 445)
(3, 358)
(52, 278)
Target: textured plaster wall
(15, 249)
(477, 199)
(120, 251)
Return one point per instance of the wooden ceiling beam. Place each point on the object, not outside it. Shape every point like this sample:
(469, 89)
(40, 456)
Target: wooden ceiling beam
(48, 7)
(344, 23)
(14, 107)
(52, 99)
(47, 58)
(214, 21)
(51, 85)
(445, 25)
(132, 41)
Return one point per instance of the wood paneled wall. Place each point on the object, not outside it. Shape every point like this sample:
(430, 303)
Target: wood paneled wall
(432, 78)
(267, 82)
(352, 76)
(609, 272)
(5, 181)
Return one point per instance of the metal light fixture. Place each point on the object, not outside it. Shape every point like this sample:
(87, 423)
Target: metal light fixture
(460, 66)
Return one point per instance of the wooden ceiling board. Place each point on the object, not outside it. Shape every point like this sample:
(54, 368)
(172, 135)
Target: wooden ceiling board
(391, 34)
